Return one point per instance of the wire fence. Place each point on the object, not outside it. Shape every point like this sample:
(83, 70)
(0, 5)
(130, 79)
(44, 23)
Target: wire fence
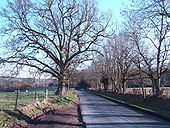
(18, 99)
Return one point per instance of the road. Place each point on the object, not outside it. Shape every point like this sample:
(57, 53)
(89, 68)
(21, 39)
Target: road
(98, 112)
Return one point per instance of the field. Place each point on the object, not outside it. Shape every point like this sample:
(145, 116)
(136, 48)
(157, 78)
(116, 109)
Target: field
(27, 109)
(25, 97)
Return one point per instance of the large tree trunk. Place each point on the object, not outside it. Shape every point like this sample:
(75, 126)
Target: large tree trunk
(156, 86)
(153, 86)
(62, 90)
(142, 85)
(62, 87)
(62, 82)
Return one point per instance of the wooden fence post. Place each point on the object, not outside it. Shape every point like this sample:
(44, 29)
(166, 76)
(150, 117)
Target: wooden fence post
(35, 97)
(46, 94)
(16, 101)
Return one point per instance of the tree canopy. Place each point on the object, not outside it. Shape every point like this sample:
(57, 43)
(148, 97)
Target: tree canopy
(52, 35)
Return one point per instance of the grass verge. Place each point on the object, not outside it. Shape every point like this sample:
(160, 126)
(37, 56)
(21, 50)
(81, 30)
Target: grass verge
(156, 106)
(30, 112)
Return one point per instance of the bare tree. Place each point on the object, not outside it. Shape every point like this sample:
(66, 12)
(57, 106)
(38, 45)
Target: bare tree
(124, 50)
(115, 66)
(151, 35)
(94, 72)
(52, 35)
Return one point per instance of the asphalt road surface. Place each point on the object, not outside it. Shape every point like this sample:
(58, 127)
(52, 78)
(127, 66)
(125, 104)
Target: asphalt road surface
(98, 112)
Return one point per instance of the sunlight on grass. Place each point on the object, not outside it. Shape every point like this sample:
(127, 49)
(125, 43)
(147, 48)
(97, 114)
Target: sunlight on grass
(28, 107)
(7, 99)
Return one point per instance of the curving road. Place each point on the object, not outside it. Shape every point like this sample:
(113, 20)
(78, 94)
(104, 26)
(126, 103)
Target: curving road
(98, 112)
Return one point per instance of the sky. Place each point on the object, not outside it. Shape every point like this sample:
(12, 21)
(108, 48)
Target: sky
(115, 6)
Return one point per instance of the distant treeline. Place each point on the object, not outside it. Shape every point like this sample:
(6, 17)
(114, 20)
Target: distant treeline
(11, 84)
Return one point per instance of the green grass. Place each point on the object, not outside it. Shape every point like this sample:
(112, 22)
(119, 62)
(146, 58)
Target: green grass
(7, 103)
(23, 114)
(5, 120)
(159, 105)
(65, 100)
(7, 99)
(57, 102)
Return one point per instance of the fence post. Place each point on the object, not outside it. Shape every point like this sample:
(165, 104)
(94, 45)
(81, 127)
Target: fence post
(16, 101)
(35, 97)
(46, 94)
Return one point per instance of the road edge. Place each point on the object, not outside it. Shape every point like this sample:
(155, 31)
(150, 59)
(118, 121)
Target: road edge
(132, 106)
(80, 112)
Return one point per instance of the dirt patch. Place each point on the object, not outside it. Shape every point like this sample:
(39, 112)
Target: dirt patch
(68, 117)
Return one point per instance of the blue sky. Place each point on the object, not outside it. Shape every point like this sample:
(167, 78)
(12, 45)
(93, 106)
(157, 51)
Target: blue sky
(115, 6)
